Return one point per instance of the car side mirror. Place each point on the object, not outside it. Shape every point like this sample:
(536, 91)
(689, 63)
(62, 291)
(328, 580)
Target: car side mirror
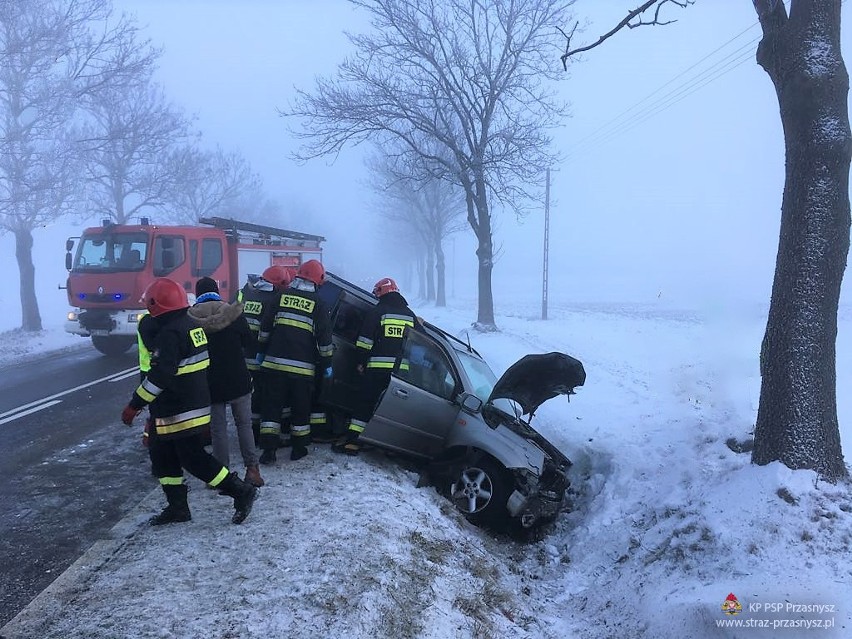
(470, 403)
(68, 261)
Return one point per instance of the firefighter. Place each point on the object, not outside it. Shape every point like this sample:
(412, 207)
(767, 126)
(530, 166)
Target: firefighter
(258, 298)
(378, 347)
(175, 389)
(299, 341)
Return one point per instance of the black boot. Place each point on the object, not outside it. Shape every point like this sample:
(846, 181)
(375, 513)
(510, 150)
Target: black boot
(267, 456)
(243, 494)
(298, 451)
(178, 508)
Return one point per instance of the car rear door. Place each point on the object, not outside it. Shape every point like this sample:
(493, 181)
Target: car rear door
(418, 409)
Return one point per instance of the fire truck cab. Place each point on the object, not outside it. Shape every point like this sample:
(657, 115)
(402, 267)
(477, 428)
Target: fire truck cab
(110, 266)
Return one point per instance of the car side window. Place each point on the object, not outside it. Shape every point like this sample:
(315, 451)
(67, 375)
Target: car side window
(348, 318)
(424, 365)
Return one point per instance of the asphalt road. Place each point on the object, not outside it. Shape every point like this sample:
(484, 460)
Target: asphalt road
(69, 469)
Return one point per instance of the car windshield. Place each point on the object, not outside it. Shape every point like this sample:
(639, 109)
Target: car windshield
(112, 252)
(483, 379)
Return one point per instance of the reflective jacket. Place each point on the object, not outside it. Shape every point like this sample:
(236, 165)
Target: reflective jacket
(259, 299)
(380, 341)
(176, 385)
(146, 331)
(299, 332)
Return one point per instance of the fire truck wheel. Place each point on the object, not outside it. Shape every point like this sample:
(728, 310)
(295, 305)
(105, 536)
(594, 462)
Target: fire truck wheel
(112, 345)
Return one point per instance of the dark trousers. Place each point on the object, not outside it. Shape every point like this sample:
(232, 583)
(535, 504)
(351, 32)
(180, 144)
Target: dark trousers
(286, 391)
(170, 456)
(373, 384)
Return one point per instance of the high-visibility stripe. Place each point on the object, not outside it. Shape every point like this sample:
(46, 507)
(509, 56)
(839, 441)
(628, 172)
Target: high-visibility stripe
(357, 425)
(381, 362)
(396, 320)
(144, 394)
(219, 478)
(195, 363)
(305, 326)
(298, 317)
(288, 365)
(300, 430)
(270, 428)
(326, 350)
(318, 418)
(182, 421)
(364, 342)
(171, 481)
(254, 323)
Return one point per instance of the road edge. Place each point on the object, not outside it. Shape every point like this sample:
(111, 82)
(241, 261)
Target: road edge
(52, 600)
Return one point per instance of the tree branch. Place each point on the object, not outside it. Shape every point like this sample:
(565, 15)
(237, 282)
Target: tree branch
(631, 21)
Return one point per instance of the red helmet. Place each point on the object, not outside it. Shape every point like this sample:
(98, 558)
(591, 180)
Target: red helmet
(313, 271)
(164, 295)
(279, 276)
(384, 286)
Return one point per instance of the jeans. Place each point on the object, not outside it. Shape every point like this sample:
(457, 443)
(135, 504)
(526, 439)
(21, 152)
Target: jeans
(241, 412)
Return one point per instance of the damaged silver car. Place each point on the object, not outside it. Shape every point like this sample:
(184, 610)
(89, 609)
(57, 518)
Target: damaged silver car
(446, 407)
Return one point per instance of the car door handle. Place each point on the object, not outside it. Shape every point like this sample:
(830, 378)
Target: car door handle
(400, 393)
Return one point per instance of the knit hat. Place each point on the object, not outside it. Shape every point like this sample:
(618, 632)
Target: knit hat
(206, 285)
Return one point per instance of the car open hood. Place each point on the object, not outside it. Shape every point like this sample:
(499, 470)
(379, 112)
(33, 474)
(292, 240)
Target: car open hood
(534, 379)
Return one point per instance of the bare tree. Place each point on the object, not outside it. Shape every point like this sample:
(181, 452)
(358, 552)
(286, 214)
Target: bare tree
(136, 146)
(53, 53)
(431, 207)
(797, 415)
(218, 183)
(467, 76)
(800, 51)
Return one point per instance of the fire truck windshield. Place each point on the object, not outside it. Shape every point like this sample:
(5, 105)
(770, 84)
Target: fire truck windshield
(112, 252)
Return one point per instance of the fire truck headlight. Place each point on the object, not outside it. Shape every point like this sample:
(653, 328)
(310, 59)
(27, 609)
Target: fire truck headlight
(72, 316)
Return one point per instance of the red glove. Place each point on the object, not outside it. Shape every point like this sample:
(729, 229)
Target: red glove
(128, 414)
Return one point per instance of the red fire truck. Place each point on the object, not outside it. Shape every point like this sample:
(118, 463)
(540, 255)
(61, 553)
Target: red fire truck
(110, 266)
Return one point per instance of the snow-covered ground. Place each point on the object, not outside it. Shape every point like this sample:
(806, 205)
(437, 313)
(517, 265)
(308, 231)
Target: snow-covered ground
(668, 520)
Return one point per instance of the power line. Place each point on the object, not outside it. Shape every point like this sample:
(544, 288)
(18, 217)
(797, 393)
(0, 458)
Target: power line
(731, 62)
(618, 124)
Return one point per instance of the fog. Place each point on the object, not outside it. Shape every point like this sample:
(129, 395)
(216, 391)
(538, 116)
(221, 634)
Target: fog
(679, 206)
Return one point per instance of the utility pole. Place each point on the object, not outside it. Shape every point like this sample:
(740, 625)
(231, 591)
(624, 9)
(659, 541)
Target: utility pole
(546, 247)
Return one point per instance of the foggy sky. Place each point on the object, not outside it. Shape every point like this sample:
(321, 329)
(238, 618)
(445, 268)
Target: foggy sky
(682, 208)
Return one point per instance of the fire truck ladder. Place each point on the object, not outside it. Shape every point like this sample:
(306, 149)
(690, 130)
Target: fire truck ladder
(259, 234)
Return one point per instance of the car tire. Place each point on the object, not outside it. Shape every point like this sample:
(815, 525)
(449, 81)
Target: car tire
(480, 491)
(112, 345)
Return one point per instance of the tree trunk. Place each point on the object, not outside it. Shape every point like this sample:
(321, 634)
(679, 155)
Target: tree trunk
(485, 257)
(441, 296)
(430, 274)
(421, 276)
(797, 415)
(30, 317)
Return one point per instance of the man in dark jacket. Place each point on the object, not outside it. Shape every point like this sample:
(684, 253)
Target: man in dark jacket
(378, 346)
(176, 391)
(228, 377)
(299, 341)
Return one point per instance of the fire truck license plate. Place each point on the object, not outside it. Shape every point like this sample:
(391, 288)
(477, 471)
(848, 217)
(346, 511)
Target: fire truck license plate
(99, 331)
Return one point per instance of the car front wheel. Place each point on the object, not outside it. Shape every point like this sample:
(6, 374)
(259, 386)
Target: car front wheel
(480, 491)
